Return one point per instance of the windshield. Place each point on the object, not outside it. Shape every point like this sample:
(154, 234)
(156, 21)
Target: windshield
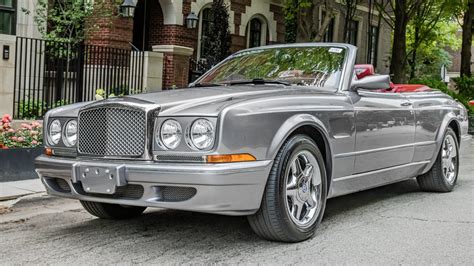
(306, 66)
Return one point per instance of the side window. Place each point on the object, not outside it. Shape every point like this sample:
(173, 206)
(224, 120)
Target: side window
(255, 33)
(206, 20)
(352, 32)
(373, 45)
(329, 35)
(7, 17)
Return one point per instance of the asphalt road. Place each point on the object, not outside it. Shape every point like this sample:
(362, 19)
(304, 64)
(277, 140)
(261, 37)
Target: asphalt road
(393, 224)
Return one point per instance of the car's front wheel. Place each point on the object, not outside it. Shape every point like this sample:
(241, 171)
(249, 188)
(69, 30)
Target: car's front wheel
(295, 195)
(443, 174)
(111, 211)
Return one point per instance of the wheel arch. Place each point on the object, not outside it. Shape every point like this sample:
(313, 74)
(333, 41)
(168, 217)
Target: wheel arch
(449, 121)
(312, 127)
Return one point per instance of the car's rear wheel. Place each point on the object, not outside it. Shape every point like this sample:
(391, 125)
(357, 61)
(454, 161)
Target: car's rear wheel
(443, 175)
(112, 211)
(295, 195)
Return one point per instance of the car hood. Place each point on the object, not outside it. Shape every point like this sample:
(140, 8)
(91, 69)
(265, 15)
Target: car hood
(210, 101)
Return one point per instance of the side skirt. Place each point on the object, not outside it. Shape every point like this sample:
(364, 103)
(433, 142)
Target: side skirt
(354, 183)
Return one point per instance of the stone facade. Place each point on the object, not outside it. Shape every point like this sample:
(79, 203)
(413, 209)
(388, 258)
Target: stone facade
(161, 23)
(24, 27)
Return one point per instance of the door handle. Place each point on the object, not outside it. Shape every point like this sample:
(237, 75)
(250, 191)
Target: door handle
(406, 104)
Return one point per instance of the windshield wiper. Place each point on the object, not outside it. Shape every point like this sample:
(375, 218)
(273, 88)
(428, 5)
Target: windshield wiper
(206, 85)
(258, 81)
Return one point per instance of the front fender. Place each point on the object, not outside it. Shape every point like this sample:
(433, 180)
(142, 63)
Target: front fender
(290, 126)
(448, 118)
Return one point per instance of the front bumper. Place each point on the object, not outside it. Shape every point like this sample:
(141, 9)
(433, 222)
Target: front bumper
(230, 189)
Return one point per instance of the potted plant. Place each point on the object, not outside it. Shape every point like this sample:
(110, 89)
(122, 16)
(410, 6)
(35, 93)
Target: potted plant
(18, 148)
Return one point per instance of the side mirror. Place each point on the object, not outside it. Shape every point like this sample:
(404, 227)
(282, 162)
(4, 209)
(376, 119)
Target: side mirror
(375, 82)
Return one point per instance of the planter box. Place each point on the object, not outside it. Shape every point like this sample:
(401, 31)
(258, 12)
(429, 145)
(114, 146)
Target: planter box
(18, 163)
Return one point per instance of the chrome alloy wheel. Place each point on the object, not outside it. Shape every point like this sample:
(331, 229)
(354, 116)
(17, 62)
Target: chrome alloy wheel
(449, 158)
(303, 189)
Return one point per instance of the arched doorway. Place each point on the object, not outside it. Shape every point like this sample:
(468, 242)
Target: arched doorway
(147, 24)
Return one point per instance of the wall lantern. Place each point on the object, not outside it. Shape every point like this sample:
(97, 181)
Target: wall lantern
(127, 9)
(191, 21)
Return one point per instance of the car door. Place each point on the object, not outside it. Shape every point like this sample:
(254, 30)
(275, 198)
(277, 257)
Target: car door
(385, 130)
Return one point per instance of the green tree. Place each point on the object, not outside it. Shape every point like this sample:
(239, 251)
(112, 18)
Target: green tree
(467, 6)
(432, 29)
(64, 21)
(217, 46)
(305, 14)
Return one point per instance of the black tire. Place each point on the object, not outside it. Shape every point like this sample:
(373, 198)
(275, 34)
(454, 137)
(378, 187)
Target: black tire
(112, 211)
(272, 221)
(435, 180)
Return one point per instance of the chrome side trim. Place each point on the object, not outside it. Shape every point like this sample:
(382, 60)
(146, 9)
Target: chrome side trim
(416, 144)
(380, 171)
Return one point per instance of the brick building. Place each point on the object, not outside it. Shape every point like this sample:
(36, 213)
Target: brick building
(159, 25)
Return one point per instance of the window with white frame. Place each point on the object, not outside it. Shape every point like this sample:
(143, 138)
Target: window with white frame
(329, 34)
(205, 20)
(255, 33)
(352, 32)
(373, 45)
(7, 17)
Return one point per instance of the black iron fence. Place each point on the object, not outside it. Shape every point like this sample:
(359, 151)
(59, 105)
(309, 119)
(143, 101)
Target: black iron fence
(197, 68)
(49, 74)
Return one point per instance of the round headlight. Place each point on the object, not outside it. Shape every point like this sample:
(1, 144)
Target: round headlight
(70, 133)
(54, 132)
(202, 134)
(170, 134)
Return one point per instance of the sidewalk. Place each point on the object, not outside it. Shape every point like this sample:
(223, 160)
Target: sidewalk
(15, 189)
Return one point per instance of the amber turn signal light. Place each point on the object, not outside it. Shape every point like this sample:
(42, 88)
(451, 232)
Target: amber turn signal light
(48, 151)
(230, 158)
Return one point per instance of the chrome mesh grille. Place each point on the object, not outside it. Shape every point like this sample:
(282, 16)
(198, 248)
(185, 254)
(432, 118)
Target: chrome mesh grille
(175, 194)
(112, 131)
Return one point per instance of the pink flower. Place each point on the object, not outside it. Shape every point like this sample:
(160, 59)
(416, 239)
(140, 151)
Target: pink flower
(14, 138)
(33, 132)
(35, 124)
(8, 117)
(11, 130)
(21, 139)
(34, 142)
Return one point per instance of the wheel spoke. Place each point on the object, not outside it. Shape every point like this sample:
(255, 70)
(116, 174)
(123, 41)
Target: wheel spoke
(308, 170)
(292, 193)
(311, 202)
(296, 167)
(299, 208)
(292, 182)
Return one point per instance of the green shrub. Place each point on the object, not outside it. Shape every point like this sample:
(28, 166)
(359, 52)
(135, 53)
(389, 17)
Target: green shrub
(30, 109)
(465, 86)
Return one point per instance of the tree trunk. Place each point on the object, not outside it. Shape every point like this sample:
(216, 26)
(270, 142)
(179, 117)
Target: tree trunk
(399, 53)
(467, 40)
(416, 44)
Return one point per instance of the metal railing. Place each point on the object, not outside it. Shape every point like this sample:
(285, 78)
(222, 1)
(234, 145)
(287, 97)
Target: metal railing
(50, 74)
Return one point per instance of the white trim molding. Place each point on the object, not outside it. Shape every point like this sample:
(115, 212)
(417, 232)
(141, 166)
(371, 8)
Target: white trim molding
(262, 8)
(173, 49)
(197, 7)
(172, 12)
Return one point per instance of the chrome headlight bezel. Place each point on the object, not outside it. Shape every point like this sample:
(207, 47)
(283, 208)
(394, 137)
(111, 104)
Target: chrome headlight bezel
(66, 138)
(161, 135)
(200, 128)
(53, 139)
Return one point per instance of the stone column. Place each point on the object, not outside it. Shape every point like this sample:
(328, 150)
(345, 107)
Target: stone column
(153, 71)
(175, 64)
(7, 77)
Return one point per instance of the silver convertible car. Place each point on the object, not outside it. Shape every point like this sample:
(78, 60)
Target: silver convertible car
(270, 133)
